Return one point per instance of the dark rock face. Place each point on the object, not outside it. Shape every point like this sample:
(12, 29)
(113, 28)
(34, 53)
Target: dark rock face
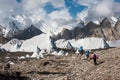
(92, 30)
(107, 29)
(27, 33)
(117, 26)
(117, 30)
(89, 30)
(66, 34)
(1, 30)
(3, 39)
(78, 33)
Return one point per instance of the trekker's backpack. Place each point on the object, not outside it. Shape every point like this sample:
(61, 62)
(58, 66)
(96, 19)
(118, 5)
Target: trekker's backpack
(87, 53)
(81, 49)
(94, 56)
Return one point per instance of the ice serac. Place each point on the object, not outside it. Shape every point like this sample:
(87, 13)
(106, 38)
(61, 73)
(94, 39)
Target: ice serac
(115, 43)
(62, 43)
(87, 43)
(36, 53)
(92, 43)
(43, 41)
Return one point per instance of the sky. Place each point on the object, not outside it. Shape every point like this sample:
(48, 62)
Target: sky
(56, 12)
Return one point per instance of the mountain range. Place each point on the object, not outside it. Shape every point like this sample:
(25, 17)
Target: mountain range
(95, 33)
(107, 28)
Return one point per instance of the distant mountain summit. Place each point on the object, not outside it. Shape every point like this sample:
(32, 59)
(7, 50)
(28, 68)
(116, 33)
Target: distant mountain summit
(27, 33)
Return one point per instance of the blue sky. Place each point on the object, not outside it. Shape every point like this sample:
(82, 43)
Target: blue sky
(57, 12)
(117, 0)
(72, 6)
(19, 1)
(49, 8)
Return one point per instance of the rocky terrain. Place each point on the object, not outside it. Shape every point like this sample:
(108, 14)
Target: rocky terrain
(3, 40)
(71, 67)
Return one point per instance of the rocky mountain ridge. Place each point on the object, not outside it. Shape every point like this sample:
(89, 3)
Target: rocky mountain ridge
(104, 30)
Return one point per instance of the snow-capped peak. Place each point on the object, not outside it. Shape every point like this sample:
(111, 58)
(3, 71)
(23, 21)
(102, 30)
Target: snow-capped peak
(96, 22)
(21, 21)
(113, 20)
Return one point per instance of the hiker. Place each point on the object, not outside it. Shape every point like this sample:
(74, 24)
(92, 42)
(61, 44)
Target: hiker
(81, 50)
(6, 67)
(94, 57)
(87, 53)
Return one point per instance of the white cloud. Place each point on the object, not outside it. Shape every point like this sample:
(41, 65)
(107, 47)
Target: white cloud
(103, 9)
(99, 9)
(86, 2)
(33, 10)
(37, 15)
(83, 15)
(6, 8)
(33, 4)
(116, 9)
(61, 14)
(7, 5)
(58, 3)
(61, 18)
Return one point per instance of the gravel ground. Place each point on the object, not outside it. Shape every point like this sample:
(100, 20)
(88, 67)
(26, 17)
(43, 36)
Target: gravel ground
(71, 67)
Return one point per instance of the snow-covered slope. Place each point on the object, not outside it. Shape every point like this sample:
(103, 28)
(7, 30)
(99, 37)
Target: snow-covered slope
(113, 21)
(96, 22)
(12, 45)
(42, 41)
(87, 43)
(62, 43)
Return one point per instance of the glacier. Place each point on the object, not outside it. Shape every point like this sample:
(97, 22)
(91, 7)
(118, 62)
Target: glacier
(44, 42)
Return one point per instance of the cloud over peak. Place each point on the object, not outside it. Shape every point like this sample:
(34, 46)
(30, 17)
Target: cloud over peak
(99, 9)
(34, 11)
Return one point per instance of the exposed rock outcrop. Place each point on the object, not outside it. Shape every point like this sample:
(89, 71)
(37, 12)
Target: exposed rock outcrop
(27, 33)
